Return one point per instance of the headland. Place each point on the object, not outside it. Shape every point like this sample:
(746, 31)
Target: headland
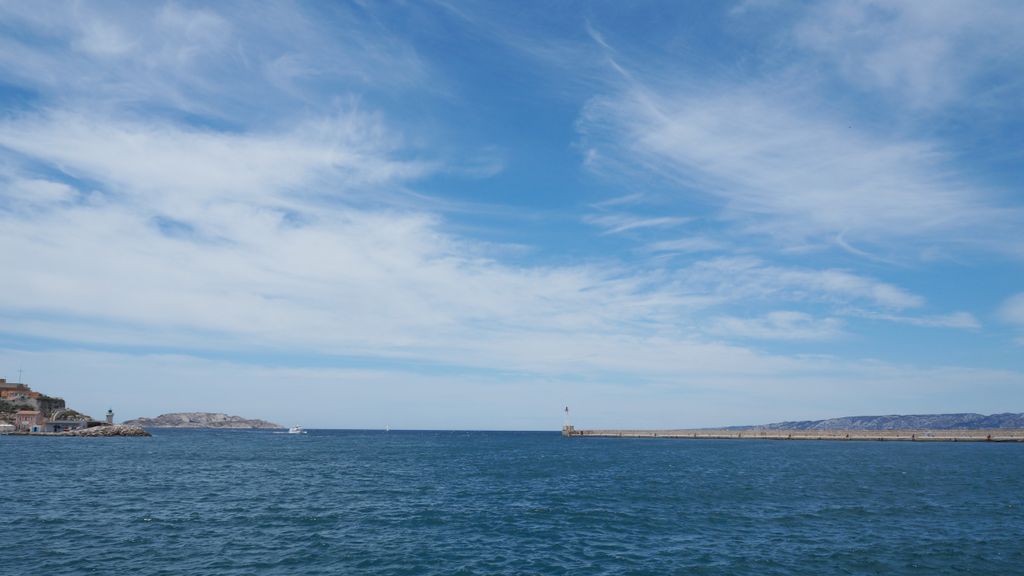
(26, 411)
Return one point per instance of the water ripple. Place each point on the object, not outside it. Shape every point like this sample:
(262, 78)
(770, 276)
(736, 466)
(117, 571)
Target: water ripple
(203, 502)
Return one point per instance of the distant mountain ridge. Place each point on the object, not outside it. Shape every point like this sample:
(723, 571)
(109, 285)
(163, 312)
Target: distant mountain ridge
(964, 421)
(201, 420)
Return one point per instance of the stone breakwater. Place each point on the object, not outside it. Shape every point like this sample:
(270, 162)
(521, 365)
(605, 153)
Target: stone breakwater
(992, 435)
(116, 430)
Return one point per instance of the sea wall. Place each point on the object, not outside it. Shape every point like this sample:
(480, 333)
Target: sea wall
(991, 435)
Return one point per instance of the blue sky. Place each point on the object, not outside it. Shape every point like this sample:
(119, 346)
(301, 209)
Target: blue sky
(469, 214)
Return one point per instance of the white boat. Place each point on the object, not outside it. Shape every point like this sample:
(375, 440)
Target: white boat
(296, 430)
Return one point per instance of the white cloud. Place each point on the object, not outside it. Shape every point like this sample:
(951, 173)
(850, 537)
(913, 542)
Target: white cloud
(103, 38)
(778, 325)
(779, 169)
(689, 244)
(618, 223)
(254, 240)
(205, 238)
(785, 151)
(745, 278)
(957, 320)
(1012, 310)
(928, 54)
(36, 192)
(209, 61)
(206, 178)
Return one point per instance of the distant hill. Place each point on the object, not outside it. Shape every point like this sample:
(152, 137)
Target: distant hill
(968, 421)
(201, 420)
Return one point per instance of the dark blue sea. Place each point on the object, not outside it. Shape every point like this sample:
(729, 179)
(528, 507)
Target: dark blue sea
(374, 502)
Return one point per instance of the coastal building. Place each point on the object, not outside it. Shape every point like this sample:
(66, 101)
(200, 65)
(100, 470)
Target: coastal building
(29, 421)
(65, 425)
(5, 385)
(14, 394)
(21, 395)
(9, 390)
(29, 411)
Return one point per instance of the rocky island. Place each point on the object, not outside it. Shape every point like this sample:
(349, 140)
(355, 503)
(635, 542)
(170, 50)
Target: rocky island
(203, 420)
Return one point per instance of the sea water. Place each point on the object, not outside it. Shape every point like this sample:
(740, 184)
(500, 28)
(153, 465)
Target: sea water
(375, 502)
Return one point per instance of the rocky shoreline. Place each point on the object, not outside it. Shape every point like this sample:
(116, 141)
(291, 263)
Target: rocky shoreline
(94, 432)
(106, 431)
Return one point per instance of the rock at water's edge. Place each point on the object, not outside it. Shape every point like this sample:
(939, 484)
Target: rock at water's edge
(116, 430)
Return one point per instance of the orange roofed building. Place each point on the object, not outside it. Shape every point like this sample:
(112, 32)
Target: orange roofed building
(29, 421)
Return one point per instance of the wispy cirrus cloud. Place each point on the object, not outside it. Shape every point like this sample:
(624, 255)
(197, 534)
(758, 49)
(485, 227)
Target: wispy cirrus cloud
(745, 278)
(239, 240)
(956, 320)
(194, 237)
(618, 223)
(783, 172)
(782, 152)
(688, 244)
(179, 164)
(169, 58)
(778, 325)
(926, 55)
(1012, 312)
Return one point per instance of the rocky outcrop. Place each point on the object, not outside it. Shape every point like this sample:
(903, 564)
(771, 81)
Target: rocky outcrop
(202, 420)
(68, 414)
(118, 430)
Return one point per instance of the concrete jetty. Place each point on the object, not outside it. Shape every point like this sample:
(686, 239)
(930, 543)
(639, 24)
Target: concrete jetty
(991, 435)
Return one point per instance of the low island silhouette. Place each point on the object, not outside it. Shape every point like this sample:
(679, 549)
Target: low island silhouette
(215, 420)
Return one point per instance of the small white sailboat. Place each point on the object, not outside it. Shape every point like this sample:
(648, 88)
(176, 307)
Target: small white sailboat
(296, 430)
